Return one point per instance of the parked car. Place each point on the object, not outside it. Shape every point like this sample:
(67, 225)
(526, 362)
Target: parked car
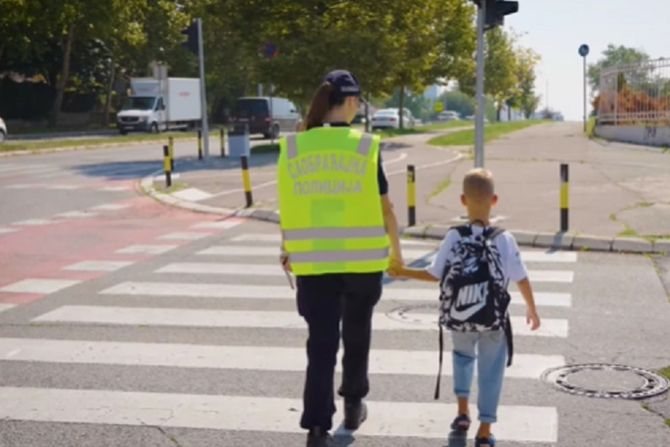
(266, 115)
(390, 119)
(3, 130)
(160, 104)
(448, 115)
(472, 118)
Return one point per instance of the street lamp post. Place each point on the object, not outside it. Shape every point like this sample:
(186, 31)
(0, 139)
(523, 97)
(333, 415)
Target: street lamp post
(583, 52)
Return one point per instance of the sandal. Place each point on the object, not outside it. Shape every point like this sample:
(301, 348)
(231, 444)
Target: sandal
(461, 423)
(485, 442)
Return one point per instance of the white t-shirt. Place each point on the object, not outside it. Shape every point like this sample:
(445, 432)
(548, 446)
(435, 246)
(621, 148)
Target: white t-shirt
(510, 257)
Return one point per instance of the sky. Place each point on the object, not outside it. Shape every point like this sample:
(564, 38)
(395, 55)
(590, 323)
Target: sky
(556, 28)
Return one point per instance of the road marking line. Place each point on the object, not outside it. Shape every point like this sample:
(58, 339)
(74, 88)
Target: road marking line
(184, 236)
(242, 291)
(146, 249)
(192, 194)
(218, 225)
(111, 207)
(98, 266)
(6, 306)
(262, 414)
(213, 268)
(146, 316)
(76, 214)
(35, 222)
(115, 188)
(37, 285)
(23, 186)
(246, 250)
(63, 187)
(265, 358)
(8, 230)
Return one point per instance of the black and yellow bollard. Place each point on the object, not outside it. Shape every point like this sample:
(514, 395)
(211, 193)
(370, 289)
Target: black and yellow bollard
(167, 167)
(411, 196)
(200, 145)
(222, 136)
(171, 148)
(246, 180)
(564, 197)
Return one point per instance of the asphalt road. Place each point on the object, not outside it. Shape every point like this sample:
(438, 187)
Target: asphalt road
(123, 322)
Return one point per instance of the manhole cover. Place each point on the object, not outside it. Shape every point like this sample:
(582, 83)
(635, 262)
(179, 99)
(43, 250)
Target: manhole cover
(607, 381)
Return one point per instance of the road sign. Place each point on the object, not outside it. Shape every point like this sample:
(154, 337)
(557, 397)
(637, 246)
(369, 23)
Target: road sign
(439, 106)
(584, 50)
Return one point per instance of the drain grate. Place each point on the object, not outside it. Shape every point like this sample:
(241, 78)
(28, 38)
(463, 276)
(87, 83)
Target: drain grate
(624, 382)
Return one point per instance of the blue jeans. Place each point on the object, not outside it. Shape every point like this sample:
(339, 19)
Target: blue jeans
(490, 350)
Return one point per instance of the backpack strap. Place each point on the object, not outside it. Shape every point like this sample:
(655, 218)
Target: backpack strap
(441, 358)
(463, 230)
(510, 340)
(493, 232)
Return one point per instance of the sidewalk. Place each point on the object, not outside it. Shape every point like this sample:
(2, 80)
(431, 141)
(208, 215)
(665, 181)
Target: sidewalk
(619, 194)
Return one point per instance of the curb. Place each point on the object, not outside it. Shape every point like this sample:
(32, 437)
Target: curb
(557, 241)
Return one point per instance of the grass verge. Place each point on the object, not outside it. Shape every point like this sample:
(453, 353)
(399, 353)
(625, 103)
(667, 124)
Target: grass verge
(491, 132)
(446, 125)
(83, 143)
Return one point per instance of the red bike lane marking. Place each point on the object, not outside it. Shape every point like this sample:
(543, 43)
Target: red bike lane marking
(41, 252)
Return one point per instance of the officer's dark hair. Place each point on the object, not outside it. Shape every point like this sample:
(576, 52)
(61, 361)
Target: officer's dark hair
(324, 99)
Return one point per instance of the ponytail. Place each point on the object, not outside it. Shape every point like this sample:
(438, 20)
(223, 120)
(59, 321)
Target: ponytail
(323, 100)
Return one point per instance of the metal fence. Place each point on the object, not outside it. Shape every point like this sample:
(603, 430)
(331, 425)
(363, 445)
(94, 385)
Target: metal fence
(635, 94)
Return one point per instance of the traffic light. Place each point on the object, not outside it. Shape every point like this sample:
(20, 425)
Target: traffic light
(496, 10)
(191, 33)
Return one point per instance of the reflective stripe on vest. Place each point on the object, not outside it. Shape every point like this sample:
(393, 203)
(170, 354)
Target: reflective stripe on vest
(340, 256)
(330, 208)
(333, 233)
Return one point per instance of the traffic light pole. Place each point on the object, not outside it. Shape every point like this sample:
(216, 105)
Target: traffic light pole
(584, 76)
(203, 96)
(481, 103)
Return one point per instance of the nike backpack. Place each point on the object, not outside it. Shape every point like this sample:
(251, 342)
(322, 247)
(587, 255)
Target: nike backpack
(473, 289)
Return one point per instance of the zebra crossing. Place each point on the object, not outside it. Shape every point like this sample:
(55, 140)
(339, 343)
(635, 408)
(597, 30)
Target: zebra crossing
(235, 288)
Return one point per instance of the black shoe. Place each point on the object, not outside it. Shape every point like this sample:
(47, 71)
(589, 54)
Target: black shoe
(354, 414)
(318, 438)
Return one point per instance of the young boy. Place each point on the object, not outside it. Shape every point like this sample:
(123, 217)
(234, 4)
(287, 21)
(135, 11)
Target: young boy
(470, 340)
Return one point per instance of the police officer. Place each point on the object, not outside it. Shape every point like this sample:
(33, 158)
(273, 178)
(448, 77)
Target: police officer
(339, 234)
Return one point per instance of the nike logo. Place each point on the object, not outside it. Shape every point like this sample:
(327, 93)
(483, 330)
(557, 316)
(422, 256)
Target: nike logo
(471, 299)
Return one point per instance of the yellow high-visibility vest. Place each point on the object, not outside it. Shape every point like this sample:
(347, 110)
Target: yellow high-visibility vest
(329, 204)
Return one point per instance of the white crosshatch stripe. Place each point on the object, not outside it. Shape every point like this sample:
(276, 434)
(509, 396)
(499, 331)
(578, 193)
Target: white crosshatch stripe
(218, 225)
(76, 214)
(8, 230)
(265, 358)
(116, 188)
(144, 316)
(98, 266)
(184, 236)
(111, 207)
(246, 251)
(35, 222)
(63, 187)
(146, 249)
(38, 285)
(214, 268)
(6, 306)
(263, 414)
(222, 290)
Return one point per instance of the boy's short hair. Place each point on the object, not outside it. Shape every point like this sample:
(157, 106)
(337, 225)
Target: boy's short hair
(478, 183)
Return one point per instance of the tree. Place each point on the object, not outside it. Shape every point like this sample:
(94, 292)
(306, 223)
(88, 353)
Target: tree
(524, 96)
(500, 67)
(614, 56)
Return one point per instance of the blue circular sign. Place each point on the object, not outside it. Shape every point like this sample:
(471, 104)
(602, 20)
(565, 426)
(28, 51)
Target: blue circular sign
(584, 50)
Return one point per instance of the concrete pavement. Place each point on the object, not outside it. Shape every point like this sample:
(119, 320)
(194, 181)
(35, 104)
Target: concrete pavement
(619, 195)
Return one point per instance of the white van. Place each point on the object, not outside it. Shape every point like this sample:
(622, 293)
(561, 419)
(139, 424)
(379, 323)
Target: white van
(266, 115)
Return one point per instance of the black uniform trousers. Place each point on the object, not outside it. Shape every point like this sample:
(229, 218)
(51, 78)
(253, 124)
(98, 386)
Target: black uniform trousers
(324, 301)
